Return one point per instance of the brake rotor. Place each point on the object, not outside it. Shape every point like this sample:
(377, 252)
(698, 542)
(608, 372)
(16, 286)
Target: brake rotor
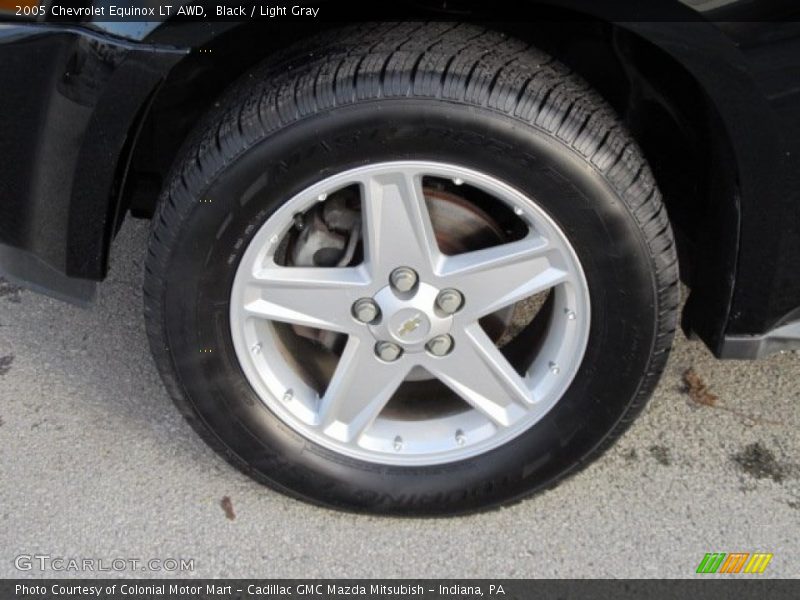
(460, 226)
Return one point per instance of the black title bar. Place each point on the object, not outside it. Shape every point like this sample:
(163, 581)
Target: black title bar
(461, 10)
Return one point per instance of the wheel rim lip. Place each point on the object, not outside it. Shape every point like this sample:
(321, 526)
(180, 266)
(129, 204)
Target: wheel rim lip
(268, 378)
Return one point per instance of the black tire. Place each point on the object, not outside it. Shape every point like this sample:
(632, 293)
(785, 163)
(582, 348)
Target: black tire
(433, 91)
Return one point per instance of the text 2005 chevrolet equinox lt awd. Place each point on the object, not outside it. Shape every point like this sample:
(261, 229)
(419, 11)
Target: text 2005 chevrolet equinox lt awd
(418, 267)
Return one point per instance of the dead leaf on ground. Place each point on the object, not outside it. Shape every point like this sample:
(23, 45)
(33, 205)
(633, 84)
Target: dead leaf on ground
(227, 506)
(699, 393)
(697, 388)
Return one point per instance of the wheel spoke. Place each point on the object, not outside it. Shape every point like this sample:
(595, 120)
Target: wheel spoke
(496, 277)
(310, 296)
(478, 372)
(398, 228)
(359, 389)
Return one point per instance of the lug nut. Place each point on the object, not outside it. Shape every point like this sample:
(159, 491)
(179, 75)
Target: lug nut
(388, 351)
(440, 345)
(403, 279)
(449, 300)
(365, 310)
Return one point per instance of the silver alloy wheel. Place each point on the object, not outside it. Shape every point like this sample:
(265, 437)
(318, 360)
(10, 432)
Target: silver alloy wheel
(347, 418)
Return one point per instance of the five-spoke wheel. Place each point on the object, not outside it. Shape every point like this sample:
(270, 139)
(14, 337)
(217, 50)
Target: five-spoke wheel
(410, 309)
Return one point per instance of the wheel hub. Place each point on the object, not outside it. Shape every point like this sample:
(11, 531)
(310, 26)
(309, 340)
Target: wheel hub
(410, 319)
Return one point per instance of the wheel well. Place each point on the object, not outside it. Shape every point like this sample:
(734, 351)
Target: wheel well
(189, 91)
(658, 100)
(664, 108)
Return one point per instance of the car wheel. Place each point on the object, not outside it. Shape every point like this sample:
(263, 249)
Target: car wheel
(411, 269)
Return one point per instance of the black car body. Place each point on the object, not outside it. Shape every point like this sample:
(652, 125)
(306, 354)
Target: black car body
(93, 112)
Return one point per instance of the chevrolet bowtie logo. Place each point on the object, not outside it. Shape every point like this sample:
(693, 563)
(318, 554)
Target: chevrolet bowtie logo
(410, 325)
